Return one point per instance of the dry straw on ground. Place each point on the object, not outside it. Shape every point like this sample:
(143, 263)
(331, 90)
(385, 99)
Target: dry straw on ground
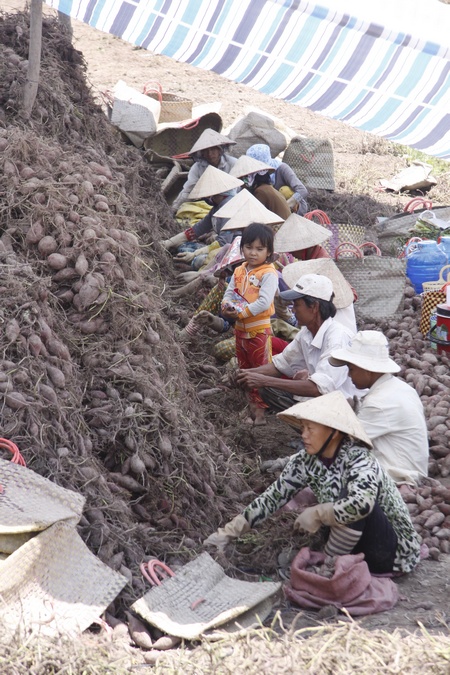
(325, 650)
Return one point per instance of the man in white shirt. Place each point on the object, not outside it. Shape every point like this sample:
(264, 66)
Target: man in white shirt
(302, 370)
(391, 412)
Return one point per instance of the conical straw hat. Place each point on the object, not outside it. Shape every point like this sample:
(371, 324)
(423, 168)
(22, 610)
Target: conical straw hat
(343, 294)
(210, 139)
(298, 233)
(243, 210)
(331, 410)
(213, 182)
(246, 165)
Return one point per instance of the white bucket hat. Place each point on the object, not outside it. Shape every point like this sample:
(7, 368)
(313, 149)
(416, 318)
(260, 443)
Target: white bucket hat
(210, 139)
(247, 165)
(331, 410)
(343, 293)
(243, 210)
(213, 182)
(298, 233)
(368, 349)
(314, 285)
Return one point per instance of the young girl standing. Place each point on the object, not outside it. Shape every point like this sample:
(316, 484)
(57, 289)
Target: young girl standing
(249, 300)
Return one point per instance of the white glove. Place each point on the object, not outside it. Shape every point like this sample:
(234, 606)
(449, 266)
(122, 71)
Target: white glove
(224, 535)
(188, 256)
(313, 517)
(292, 203)
(174, 241)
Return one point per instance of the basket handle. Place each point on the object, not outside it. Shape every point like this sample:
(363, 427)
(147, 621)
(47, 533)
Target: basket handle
(370, 245)
(191, 124)
(153, 87)
(348, 247)
(12, 447)
(320, 215)
(417, 202)
(441, 275)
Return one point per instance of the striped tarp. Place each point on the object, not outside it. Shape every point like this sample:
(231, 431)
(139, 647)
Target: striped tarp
(371, 76)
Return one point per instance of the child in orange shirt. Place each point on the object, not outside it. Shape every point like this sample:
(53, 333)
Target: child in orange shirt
(249, 300)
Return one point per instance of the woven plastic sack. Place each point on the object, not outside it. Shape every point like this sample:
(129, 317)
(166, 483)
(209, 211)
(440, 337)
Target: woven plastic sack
(134, 113)
(312, 161)
(379, 282)
(256, 128)
(351, 586)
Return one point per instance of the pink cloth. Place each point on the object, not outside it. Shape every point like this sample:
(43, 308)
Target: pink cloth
(351, 587)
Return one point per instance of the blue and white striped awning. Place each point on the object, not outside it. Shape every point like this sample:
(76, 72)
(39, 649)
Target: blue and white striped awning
(371, 75)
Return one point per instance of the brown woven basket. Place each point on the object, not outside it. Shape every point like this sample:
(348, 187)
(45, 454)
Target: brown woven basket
(174, 108)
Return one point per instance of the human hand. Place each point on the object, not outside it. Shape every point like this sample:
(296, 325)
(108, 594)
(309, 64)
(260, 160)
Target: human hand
(313, 517)
(229, 313)
(224, 535)
(249, 379)
(293, 204)
(185, 256)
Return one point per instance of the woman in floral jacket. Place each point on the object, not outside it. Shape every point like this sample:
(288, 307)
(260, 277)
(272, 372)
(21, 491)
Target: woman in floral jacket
(357, 500)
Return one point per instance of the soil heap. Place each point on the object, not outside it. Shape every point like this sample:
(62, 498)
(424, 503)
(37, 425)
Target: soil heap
(93, 385)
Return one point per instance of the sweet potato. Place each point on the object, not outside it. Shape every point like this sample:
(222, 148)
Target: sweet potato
(81, 265)
(47, 245)
(56, 261)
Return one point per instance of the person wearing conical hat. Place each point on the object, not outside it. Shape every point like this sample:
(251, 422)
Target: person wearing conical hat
(357, 500)
(256, 177)
(302, 370)
(303, 238)
(283, 179)
(210, 149)
(390, 411)
(219, 187)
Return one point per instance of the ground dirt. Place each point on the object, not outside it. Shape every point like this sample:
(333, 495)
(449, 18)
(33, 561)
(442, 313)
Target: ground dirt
(360, 161)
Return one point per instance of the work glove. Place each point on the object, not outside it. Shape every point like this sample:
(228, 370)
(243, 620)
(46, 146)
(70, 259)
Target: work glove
(293, 204)
(188, 256)
(174, 241)
(224, 535)
(313, 517)
(210, 320)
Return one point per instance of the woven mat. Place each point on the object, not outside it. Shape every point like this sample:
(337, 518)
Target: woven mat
(50, 584)
(30, 503)
(200, 597)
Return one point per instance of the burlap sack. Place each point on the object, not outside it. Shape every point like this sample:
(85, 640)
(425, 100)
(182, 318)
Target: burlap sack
(312, 161)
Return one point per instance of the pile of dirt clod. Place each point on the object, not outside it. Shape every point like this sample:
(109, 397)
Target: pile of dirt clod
(93, 385)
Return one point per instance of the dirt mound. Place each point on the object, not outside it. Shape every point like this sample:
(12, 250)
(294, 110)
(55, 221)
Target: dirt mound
(93, 384)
